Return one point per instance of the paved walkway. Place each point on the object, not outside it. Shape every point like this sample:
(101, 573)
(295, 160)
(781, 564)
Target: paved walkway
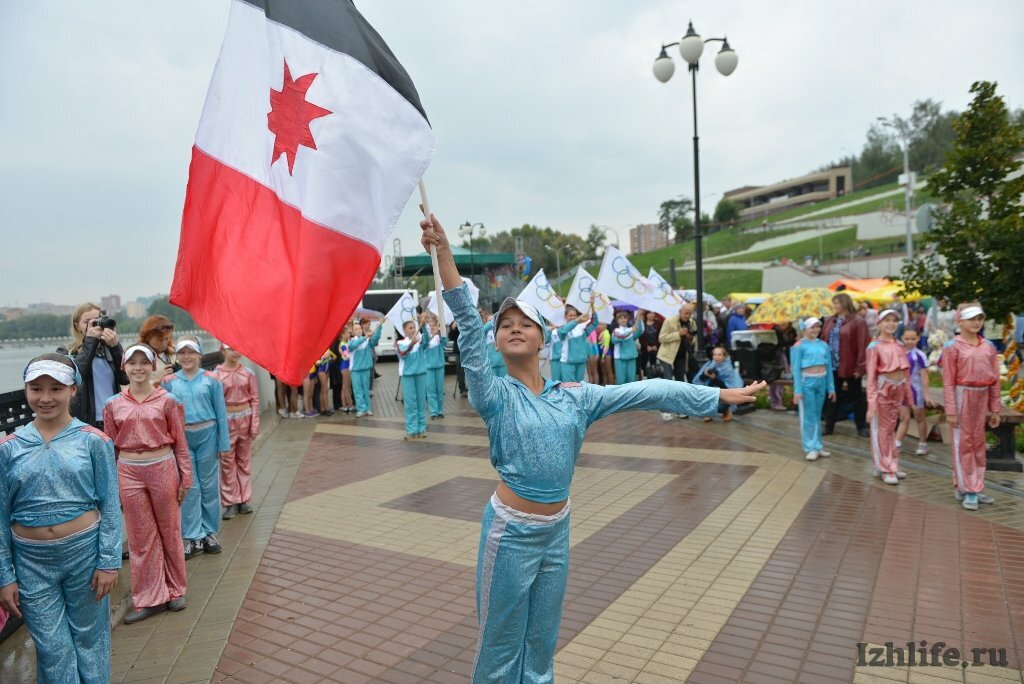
(700, 552)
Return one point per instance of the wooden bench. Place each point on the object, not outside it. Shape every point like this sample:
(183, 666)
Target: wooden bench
(1000, 456)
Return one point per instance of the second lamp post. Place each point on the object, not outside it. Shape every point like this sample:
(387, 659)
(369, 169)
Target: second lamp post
(690, 48)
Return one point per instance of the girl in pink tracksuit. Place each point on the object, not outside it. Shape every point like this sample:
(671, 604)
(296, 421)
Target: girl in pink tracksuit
(970, 391)
(888, 389)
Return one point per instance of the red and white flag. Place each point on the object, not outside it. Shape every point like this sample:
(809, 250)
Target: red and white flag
(311, 142)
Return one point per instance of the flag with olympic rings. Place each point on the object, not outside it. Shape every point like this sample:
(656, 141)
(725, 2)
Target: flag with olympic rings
(619, 279)
(584, 296)
(430, 305)
(403, 310)
(668, 302)
(541, 294)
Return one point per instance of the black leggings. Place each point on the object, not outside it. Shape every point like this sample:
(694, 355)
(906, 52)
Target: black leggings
(848, 389)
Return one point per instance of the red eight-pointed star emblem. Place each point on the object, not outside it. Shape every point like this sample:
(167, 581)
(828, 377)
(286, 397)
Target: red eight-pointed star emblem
(290, 115)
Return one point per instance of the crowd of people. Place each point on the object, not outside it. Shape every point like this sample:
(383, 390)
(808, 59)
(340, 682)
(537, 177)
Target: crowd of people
(146, 433)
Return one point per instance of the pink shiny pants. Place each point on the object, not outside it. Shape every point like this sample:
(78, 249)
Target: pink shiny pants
(149, 497)
(969, 439)
(883, 425)
(236, 467)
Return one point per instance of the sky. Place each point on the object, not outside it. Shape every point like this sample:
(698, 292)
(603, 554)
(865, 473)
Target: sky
(545, 112)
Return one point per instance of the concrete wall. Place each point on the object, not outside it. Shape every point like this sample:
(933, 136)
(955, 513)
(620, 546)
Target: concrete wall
(779, 278)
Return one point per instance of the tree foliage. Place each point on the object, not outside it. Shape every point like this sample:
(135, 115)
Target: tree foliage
(595, 241)
(674, 218)
(976, 244)
(726, 212)
(540, 244)
(180, 317)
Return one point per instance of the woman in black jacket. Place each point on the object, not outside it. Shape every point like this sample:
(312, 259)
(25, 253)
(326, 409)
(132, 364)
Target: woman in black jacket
(98, 353)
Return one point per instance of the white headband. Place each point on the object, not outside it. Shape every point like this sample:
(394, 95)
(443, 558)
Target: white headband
(190, 344)
(146, 351)
(810, 322)
(888, 312)
(61, 372)
(970, 312)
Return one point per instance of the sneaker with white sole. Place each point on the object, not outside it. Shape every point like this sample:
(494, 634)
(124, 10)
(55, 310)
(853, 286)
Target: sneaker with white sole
(360, 414)
(901, 475)
(985, 499)
(899, 445)
(958, 495)
(297, 414)
(666, 416)
(823, 453)
(369, 413)
(922, 450)
(891, 479)
(970, 502)
(812, 456)
(282, 413)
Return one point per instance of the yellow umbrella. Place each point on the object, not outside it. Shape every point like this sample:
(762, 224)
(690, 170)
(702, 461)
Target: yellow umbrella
(883, 295)
(792, 305)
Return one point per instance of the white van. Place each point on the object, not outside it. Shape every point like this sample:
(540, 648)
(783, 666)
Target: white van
(383, 300)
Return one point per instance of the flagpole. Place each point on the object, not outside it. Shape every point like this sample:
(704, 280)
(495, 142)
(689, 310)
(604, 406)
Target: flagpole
(433, 262)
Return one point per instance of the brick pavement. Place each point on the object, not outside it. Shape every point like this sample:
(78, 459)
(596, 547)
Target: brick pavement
(700, 552)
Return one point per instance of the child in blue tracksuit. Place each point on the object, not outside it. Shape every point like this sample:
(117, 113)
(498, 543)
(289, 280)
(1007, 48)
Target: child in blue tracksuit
(719, 372)
(575, 345)
(433, 361)
(414, 379)
(624, 349)
(208, 437)
(556, 353)
(536, 429)
(360, 349)
(811, 362)
(494, 358)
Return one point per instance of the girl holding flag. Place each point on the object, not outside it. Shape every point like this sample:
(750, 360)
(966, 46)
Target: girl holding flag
(433, 362)
(624, 340)
(522, 565)
(361, 350)
(414, 379)
(575, 345)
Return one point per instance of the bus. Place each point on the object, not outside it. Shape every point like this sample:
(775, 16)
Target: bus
(383, 300)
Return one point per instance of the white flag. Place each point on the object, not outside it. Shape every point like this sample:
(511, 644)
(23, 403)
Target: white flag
(666, 301)
(584, 296)
(403, 310)
(540, 293)
(431, 305)
(620, 279)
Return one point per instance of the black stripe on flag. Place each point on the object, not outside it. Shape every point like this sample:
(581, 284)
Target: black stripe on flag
(338, 25)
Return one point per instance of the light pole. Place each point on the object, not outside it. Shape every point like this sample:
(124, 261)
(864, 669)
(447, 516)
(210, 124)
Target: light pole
(465, 229)
(902, 128)
(558, 261)
(691, 46)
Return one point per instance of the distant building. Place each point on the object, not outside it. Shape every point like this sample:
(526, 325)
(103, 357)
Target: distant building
(111, 304)
(646, 237)
(765, 200)
(51, 309)
(11, 313)
(134, 310)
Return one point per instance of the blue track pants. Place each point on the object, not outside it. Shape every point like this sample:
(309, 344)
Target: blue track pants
(200, 511)
(70, 628)
(414, 400)
(361, 389)
(625, 371)
(556, 370)
(573, 372)
(435, 391)
(521, 574)
(811, 405)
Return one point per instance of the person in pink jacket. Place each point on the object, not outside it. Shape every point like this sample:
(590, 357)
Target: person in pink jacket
(242, 397)
(888, 389)
(970, 392)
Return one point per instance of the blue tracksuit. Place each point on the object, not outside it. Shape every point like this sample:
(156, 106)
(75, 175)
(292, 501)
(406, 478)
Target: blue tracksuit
(624, 352)
(206, 431)
(815, 389)
(523, 561)
(575, 348)
(414, 382)
(360, 366)
(556, 355)
(494, 357)
(43, 484)
(433, 361)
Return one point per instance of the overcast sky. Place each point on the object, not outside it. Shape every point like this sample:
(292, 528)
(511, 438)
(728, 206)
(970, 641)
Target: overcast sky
(545, 112)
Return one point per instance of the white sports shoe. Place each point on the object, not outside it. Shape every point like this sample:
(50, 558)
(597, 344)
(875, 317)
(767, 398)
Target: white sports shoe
(890, 479)
(812, 456)
(666, 416)
(899, 444)
(901, 475)
(922, 449)
(823, 453)
(283, 413)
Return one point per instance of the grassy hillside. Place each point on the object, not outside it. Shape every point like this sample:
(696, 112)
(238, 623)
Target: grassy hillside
(833, 246)
(721, 282)
(716, 244)
(818, 206)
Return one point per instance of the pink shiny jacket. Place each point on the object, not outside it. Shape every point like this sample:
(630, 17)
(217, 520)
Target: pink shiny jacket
(240, 387)
(970, 365)
(155, 422)
(886, 356)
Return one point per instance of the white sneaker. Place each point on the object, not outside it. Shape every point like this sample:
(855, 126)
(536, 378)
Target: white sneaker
(682, 415)
(369, 413)
(901, 475)
(985, 499)
(922, 449)
(823, 453)
(360, 414)
(812, 456)
(666, 416)
(890, 479)
(283, 413)
(875, 473)
(298, 414)
(898, 444)
(958, 495)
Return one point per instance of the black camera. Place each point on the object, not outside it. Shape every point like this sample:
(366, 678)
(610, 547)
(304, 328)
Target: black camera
(105, 321)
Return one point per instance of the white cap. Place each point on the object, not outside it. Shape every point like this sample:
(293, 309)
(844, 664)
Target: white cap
(970, 312)
(810, 322)
(191, 344)
(146, 351)
(529, 310)
(888, 312)
(61, 372)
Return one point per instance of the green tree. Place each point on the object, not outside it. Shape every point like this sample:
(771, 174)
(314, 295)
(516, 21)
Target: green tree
(178, 316)
(674, 218)
(540, 244)
(726, 212)
(976, 242)
(595, 241)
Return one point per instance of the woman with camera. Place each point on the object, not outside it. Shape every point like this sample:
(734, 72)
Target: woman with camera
(97, 352)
